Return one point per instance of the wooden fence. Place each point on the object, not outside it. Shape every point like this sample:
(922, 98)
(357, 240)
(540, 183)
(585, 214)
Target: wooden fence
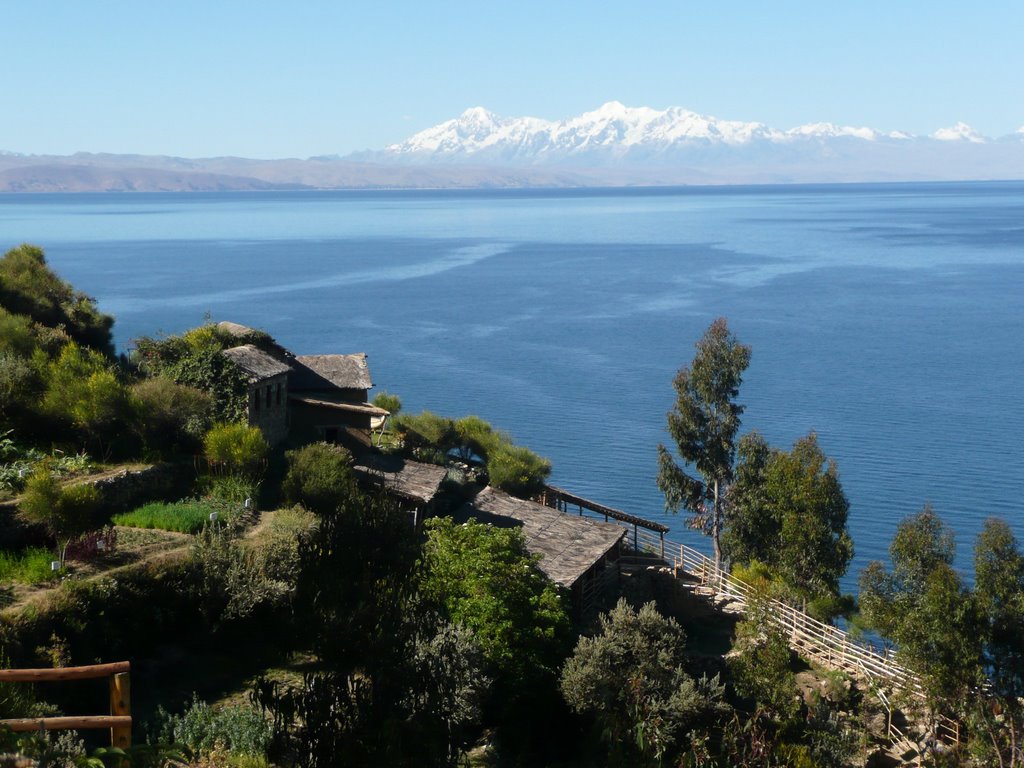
(119, 721)
(815, 640)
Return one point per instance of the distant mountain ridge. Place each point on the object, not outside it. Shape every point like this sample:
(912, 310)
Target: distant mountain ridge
(614, 145)
(616, 135)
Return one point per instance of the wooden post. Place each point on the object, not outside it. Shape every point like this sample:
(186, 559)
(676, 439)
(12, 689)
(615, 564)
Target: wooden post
(120, 704)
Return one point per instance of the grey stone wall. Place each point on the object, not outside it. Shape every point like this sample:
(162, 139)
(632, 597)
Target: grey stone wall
(268, 408)
(121, 491)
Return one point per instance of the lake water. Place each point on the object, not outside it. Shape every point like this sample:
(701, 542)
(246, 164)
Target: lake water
(887, 318)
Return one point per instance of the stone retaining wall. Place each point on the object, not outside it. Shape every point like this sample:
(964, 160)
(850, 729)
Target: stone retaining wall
(122, 490)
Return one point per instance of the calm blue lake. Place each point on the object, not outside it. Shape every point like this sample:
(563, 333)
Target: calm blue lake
(887, 318)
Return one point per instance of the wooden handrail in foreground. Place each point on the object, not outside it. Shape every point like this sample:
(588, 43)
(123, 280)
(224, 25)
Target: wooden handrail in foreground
(119, 721)
(26, 724)
(63, 673)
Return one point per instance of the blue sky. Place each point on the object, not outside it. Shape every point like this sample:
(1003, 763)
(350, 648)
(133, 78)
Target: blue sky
(297, 79)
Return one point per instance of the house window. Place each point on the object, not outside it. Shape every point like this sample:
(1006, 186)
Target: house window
(279, 393)
(255, 401)
(268, 395)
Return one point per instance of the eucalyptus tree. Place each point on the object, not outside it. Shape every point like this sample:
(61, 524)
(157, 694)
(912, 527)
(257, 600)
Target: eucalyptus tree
(998, 714)
(923, 605)
(787, 510)
(703, 423)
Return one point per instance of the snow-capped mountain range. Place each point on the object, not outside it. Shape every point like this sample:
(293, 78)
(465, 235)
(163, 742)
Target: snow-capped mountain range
(615, 135)
(614, 145)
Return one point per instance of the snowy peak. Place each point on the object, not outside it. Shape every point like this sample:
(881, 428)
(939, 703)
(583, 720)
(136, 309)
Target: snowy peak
(831, 130)
(959, 132)
(618, 135)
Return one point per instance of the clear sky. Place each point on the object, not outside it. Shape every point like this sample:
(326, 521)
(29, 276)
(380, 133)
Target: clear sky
(294, 79)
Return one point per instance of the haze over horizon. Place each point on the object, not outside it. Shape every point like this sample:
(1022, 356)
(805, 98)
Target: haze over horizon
(265, 81)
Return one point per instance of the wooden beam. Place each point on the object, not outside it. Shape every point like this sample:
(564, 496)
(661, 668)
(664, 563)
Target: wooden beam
(26, 724)
(121, 706)
(63, 673)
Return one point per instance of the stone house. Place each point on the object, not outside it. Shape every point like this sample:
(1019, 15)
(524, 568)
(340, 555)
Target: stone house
(328, 399)
(267, 379)
(304, 398)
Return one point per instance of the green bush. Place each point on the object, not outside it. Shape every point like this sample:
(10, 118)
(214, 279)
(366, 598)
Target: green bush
(390, 403)
(518, 470)
(66, 511)
(319, 477)
(275, 551)
(29, 566)
(236, 448)
(29, 287)
(201, 728)
(83, 391)
(187, 516)
(168, 415)
(232, 584)
(194, 358)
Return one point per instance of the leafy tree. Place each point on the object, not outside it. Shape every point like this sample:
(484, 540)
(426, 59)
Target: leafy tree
(513, 468)
(703, 423)
(999, 589)
(29, 287)
(19, 390)
(66, 511)
(924, 607)
(998, 712)
(752, 528)
(390, 403)
(319, 477)
(16, 334)
(632, 678)
(169, 416)
(237, 448)
(761, 664)
(83, 390)
(788, 510)
(517, 470)
(485, 579)
(393, 684)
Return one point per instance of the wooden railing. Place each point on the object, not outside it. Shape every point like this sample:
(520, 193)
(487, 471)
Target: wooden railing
(811, 638)
(119, 721)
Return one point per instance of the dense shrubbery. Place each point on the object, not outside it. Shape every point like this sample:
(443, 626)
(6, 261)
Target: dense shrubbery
(437, 439)
(236, 449)
(67, 511)
(28, 566)
(521, 623)
(632, 679)
(202, 729)
(319, 477)
(28, 287)
(169, 416)
(194, 359)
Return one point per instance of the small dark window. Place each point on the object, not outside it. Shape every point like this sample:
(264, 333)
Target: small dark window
(268, 395)
(256, 401)
(331, 434)
(279, 394)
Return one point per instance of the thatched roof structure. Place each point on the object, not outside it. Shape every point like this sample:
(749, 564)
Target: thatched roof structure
(256, 364)
(236, 329)
(568, 545)
(411, 480)
(324, 372)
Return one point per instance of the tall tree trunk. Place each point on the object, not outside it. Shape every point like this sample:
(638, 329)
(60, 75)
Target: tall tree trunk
(716, 527)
